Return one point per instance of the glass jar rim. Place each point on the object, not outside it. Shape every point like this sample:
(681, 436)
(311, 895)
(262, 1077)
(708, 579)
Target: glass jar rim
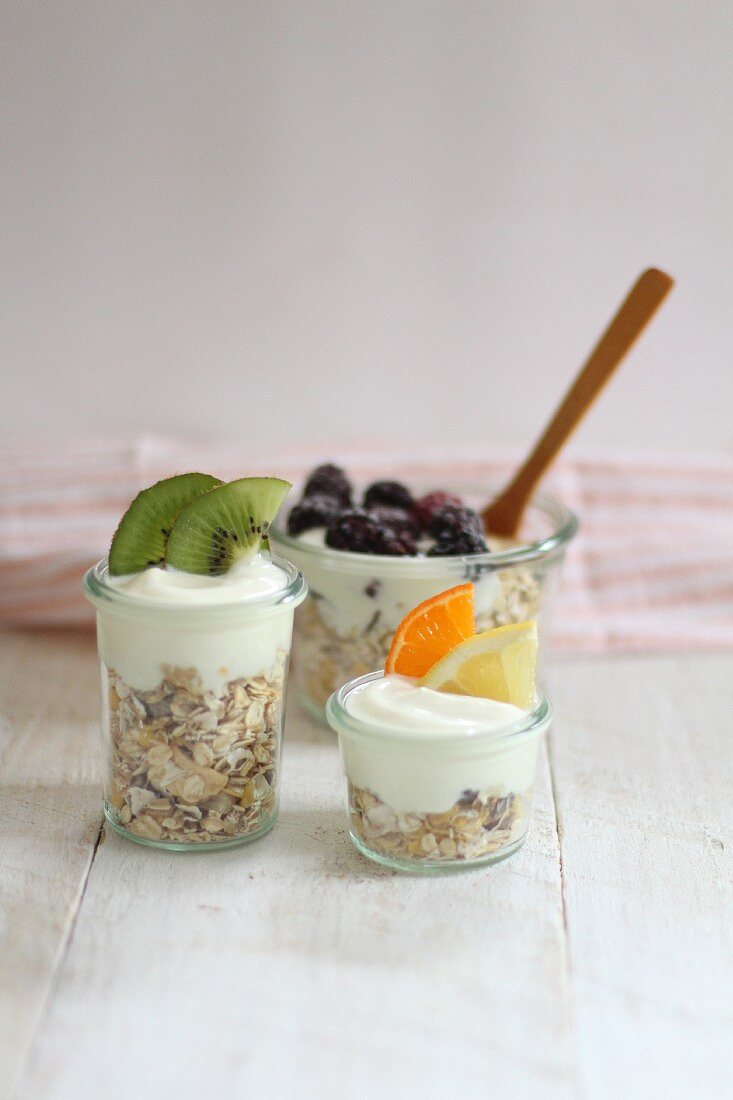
(341, 720)
(106, 597)
(565, 526)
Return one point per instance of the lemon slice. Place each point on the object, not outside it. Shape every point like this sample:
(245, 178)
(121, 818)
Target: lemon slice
(497, 664)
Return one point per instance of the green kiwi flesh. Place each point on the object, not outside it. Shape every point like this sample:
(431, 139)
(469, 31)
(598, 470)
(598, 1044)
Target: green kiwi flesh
(225, 525)
(142, 535)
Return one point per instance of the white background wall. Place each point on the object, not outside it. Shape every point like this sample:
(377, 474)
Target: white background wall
(337, 221)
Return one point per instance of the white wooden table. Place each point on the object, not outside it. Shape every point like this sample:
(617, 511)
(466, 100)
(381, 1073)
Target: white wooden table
(598, 962)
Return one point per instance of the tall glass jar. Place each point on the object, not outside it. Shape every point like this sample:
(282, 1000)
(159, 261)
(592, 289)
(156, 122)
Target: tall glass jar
(358, 600)
(192, 712)
(426, 801)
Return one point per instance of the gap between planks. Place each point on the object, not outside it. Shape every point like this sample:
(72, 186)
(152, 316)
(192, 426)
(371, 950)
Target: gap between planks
(570, 1006)
(50, 824)
(340, 952)
(57, 966)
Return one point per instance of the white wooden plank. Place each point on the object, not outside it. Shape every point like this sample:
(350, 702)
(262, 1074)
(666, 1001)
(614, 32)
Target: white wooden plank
(297, 968)
(49, 820)
(643, 765)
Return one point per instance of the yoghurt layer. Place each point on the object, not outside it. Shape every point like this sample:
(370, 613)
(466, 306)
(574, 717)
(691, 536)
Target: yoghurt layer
(349, 598)
(139, 648)
(432, 746)
(246, 580)
(399, 703)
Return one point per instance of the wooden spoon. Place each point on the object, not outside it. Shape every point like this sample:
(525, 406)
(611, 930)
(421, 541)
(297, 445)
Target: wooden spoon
(504, 515)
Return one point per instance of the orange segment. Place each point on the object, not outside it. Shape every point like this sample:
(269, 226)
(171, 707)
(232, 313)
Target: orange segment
(431, 630)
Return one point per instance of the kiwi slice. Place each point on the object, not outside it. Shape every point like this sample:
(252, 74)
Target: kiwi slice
(225, 524)
(141, 537)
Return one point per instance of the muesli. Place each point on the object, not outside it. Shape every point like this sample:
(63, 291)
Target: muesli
(477, 824)
(188, 766)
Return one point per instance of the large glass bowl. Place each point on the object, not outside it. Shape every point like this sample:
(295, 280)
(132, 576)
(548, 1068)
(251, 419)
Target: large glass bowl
(356, 601)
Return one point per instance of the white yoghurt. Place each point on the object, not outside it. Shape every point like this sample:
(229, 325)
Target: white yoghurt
(247, 579)
(398, 703)
(432, 746)
(350, 598)
(137, 645)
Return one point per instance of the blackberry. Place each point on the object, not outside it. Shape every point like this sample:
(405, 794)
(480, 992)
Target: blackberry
(314, 511)
(398, 545)
(356, 530)
(392, 493)
(453, 543)
(329, 481)
(426, 507)
(396, 519)
(454, 517)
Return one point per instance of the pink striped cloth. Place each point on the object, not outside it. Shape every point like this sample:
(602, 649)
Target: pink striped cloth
(652, 568)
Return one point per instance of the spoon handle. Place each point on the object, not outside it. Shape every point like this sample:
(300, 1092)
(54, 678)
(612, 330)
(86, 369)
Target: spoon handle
(503, 516)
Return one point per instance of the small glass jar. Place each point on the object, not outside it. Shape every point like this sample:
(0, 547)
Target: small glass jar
(192, 712)
(426, 802)
(357, 601)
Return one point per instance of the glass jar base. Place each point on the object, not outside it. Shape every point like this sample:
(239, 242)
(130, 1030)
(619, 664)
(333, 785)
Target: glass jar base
(187, 846)
(435, 867)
